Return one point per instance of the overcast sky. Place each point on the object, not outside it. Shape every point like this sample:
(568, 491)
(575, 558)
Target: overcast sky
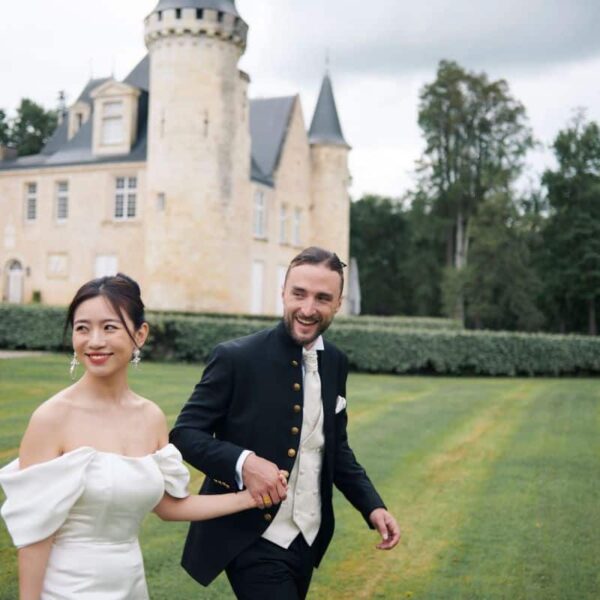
(381, 54)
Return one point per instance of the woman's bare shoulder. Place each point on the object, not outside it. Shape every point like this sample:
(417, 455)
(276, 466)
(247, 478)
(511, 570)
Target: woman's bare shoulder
(154, 416)
(44, 436)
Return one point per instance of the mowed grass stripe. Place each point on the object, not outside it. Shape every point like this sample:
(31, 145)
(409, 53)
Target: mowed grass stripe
(535, 531)
(428, 491)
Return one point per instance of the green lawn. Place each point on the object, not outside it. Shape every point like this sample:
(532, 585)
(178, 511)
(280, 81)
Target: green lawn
(496, 484)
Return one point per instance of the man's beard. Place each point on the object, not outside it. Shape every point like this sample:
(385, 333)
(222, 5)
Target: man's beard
(289, 320)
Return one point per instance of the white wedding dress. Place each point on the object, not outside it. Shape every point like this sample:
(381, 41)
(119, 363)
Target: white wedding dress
(94, 502)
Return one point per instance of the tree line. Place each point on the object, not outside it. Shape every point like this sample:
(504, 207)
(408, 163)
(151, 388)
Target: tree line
(465, 242)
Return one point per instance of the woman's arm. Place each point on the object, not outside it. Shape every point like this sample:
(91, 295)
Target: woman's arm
(201, 508)
(33, 560)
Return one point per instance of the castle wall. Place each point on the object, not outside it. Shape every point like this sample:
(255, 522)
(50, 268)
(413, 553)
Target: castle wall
(292, 190)
(59, 256)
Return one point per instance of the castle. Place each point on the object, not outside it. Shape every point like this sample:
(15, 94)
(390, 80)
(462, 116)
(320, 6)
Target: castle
(176, 178)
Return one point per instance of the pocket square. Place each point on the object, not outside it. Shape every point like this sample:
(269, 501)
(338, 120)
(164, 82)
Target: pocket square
(340, 404)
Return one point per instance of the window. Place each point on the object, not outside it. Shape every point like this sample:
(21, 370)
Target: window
(178, 13)
(258, 276)
(220, 16)
(31, 202)
(112, 123)
(160, 15)
(283, 216)
(126, 198)
(260, 215)
(296, 227)
(62, 201)
(106, 265)
(57, 265)
(199, 13)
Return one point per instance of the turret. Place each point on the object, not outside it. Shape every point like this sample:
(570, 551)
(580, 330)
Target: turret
(330, 206)
(198, 156)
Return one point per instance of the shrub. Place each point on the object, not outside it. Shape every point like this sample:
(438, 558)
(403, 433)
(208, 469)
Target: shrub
(375, 345)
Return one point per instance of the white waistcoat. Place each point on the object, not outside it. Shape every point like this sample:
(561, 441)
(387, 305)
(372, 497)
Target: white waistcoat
(300, 512)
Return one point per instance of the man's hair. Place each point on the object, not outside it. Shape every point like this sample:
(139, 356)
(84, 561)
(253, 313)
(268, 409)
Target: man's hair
(318, 256)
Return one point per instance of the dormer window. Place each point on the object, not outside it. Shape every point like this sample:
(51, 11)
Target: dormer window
(199, 13)
(178, 13)
(79, 113)
(220, 16)
(160, 15)
(112, 123)
(115, 118)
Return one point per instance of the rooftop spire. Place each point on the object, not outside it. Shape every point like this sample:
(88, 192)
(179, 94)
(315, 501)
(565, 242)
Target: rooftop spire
(325, 127)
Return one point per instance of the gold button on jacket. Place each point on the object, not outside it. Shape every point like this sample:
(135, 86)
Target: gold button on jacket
(297, 408)
(291, 453)
(295, 430)
(297, 387)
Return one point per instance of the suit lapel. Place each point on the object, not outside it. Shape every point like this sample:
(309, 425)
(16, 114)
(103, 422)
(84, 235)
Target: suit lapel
(327, 373)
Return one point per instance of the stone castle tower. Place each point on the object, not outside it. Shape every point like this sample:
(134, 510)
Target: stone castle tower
(198, 155)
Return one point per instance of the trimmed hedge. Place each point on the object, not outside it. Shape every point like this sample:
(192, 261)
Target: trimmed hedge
(32, 327)
(377, 348)
(433, 323)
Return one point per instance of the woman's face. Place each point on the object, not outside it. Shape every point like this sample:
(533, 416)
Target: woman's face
(100, 340)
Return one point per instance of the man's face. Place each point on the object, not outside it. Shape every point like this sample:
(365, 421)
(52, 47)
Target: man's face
(311, 297)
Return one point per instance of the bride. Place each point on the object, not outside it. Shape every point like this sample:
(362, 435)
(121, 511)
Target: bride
(94, 460)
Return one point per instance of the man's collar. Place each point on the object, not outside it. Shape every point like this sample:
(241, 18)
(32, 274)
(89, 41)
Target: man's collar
(318, 344)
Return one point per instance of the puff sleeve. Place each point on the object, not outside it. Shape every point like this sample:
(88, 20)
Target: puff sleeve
(175, 473)
(39, 497)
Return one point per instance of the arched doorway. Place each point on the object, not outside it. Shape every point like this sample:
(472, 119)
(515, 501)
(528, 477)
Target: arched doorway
(14, 282)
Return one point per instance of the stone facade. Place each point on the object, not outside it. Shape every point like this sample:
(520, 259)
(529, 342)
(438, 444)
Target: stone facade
(159, 177)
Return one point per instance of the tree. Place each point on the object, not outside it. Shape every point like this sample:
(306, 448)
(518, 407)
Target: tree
(425, 259)
(379, 240)
(32, 127)
(501, 286)
(572, 234)
(476, 137)
(4, 129)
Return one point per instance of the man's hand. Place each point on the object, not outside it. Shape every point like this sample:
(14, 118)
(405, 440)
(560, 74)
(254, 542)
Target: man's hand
(383, 521)
(264, 481)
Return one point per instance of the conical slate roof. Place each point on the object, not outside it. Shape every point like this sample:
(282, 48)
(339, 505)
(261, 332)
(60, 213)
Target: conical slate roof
(226, 6)
(325, 127)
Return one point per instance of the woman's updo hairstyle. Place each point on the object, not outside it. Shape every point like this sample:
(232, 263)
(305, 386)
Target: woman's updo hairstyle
(123, 294)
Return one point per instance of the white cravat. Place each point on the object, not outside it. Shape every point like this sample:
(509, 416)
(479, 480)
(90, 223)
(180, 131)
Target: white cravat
(312, 392)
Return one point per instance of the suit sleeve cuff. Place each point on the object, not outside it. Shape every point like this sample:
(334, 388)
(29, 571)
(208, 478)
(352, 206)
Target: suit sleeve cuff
(238, 468)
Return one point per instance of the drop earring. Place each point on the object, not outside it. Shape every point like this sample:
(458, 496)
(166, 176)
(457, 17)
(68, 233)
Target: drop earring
(73, 365)
(135, 361)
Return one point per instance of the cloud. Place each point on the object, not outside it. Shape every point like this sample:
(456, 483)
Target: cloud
(397, 37)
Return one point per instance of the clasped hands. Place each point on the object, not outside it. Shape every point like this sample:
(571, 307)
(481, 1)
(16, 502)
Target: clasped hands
(265, 481)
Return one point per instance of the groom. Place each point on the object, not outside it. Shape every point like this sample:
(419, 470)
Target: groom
(276, 400)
